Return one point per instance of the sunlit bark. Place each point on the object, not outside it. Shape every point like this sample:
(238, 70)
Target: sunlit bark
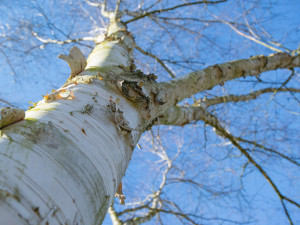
(63, 163)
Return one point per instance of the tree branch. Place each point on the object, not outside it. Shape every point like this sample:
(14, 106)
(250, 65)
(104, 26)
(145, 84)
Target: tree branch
(142, 219)
(195, 82)
(6, 102)
(255, 144)
(179, 214)
(114, 216)
(154, 204)
(144, 14)
(53, 41)
(182, 115)
(255, 39)
(221, 131)
(157, 59)
(243, 98)
(95, 4)
(9, 64)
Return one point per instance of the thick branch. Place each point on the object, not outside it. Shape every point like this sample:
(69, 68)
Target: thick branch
(180, 116)
(195, 82)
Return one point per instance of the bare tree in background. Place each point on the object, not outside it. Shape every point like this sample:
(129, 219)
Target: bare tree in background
(220, 136)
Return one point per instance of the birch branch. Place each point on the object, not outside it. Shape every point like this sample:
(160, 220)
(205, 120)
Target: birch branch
(6, 102)
(221, 131)
(255, 39)
(117, 9)
(157, 59)
(243, 98)
(180, 116)
(9, 63)
(114, 216)
(145, 14)
(142, 219)
(195, 82)
(95, 4)
(53, 41)
(155, 204)
(270, 150)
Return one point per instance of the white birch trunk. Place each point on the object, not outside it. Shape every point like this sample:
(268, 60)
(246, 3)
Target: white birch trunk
(63, 163)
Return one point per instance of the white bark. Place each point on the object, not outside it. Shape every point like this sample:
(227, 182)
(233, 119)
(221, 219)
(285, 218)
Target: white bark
(63, 163)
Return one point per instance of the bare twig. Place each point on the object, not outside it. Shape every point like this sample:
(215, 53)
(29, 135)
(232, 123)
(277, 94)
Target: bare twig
(254, 38)
(95, 4)
(172, 8)
(53, 41)
(9, 64)
(117, 9)
(213, 121)
(157, 59)
(255, 144)
(242, 98)
(6, 102)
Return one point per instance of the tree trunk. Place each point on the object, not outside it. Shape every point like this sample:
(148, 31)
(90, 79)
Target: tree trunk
(63, 163)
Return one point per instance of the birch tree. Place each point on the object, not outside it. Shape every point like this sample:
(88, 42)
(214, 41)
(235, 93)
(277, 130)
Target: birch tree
(63, 160)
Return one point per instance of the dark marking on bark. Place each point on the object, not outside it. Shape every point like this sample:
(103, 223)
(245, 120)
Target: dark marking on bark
(161, 99)
(36, 210)
(219, 73)
(52, 145)
(257, 77)
(243, 74)
(286, 59)
(263, 61)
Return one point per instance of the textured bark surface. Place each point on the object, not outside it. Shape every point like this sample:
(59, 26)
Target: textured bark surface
(63, 163)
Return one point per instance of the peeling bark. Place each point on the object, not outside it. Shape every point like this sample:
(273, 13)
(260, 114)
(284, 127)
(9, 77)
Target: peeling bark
(63, 163)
